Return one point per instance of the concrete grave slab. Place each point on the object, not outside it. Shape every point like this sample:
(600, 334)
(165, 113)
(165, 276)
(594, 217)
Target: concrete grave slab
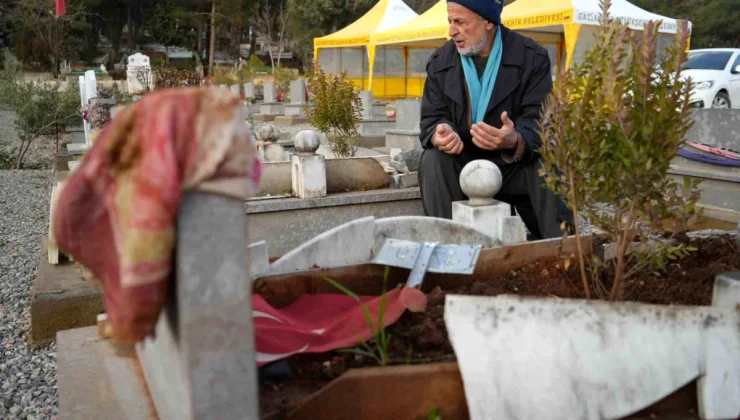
(286, 223)
(97, 380)
(342, 175)
(355, 239)
(63, 296)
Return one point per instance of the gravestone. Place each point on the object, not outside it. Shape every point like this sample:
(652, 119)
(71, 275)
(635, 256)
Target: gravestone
(249, 90)
(236, 91)
(269, 149)
(139, 70)
(367, 104)
(200, 364)
(295, 111)
(270, 108)
(308, 170)
(481, 180)
(270, 93)
(374, 122)
(297, 92)
(405, 135)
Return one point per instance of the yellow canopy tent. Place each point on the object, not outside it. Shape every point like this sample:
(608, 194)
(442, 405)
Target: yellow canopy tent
(416, 40)
(570, 25)
(565, 28)
(345, 49)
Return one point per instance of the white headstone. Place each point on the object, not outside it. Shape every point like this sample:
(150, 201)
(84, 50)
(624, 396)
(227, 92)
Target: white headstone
(270, 93)
(367, 104)
(91, 85)
(138, 63)
(297, 92)
(308, 168)
(235, 90)
(481, 180)
(249, 90)
(560, 359)
(83, 101)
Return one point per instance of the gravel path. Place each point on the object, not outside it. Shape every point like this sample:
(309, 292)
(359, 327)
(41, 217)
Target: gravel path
(27, 378)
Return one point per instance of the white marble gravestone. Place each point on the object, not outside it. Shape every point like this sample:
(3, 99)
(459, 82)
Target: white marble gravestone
(271, 106)
(236, 90)
(138, 63)
(308, 169)
(297, 100)
(527, 358)
(270, 93)
(367, 104)
(249, 90)
(406, 133)
(481, 180)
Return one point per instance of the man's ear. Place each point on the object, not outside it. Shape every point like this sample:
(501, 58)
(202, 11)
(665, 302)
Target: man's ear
(489, 26)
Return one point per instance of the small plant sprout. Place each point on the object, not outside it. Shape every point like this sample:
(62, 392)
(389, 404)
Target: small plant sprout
(381, 338)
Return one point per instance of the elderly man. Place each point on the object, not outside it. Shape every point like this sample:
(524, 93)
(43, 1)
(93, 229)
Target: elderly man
(482, 100)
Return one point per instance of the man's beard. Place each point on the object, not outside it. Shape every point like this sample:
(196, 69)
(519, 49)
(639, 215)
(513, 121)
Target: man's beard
(477, 47)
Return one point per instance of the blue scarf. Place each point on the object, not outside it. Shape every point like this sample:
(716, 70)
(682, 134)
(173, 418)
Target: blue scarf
(480, 90)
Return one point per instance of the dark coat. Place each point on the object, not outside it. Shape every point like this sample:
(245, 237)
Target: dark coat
(524, 80)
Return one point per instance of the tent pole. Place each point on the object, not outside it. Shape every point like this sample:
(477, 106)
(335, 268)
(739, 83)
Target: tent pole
(570, 32)
(371, 64)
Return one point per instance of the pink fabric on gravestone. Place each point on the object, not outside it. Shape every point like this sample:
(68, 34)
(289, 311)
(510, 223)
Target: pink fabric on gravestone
(116, 213)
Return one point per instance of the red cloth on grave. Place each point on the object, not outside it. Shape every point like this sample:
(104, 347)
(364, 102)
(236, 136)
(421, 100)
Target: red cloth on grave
(116, 213)
(320, 323)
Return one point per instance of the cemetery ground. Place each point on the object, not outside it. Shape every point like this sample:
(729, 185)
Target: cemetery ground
(27, 377)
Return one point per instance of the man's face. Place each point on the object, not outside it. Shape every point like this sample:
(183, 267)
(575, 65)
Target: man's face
(469, 30)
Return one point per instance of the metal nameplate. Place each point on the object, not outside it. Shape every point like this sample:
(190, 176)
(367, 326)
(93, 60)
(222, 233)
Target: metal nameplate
(451, 259)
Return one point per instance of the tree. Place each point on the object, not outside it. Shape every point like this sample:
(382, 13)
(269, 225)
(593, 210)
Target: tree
(270, 22)
(314, 18)
(34, 24)
(610, 129)
(716, 23)
(40, 111)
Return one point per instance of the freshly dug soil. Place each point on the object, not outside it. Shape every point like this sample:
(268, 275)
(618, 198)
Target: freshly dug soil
(422, 337)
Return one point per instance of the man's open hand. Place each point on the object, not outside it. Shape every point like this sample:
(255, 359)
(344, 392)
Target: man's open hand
(491, 138)
(447, 140)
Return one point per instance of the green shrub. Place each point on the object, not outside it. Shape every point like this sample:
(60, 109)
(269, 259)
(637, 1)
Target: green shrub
(283, 76)
(225, 76)
(336, 111)
(610, 128)
(41, 112)
(170, 77)
(249, 70)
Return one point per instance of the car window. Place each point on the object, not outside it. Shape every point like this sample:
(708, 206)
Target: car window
(736, 63)
(707, 60)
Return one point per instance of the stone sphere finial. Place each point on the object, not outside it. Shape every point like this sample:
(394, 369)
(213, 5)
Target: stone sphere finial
(306, 142)
(480, 180)
(268, 133)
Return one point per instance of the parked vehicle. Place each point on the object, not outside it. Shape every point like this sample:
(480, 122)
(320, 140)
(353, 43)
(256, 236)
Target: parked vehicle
(716, 76)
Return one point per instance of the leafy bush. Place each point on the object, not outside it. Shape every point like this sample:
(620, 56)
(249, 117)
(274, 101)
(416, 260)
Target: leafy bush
(42, 111)
(249, 70)
(283, 76)
(170, 77)
(225, 76)
(610, 128)
(336, 111)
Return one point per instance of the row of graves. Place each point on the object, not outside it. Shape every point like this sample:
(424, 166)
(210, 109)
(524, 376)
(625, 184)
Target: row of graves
(329, 251)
